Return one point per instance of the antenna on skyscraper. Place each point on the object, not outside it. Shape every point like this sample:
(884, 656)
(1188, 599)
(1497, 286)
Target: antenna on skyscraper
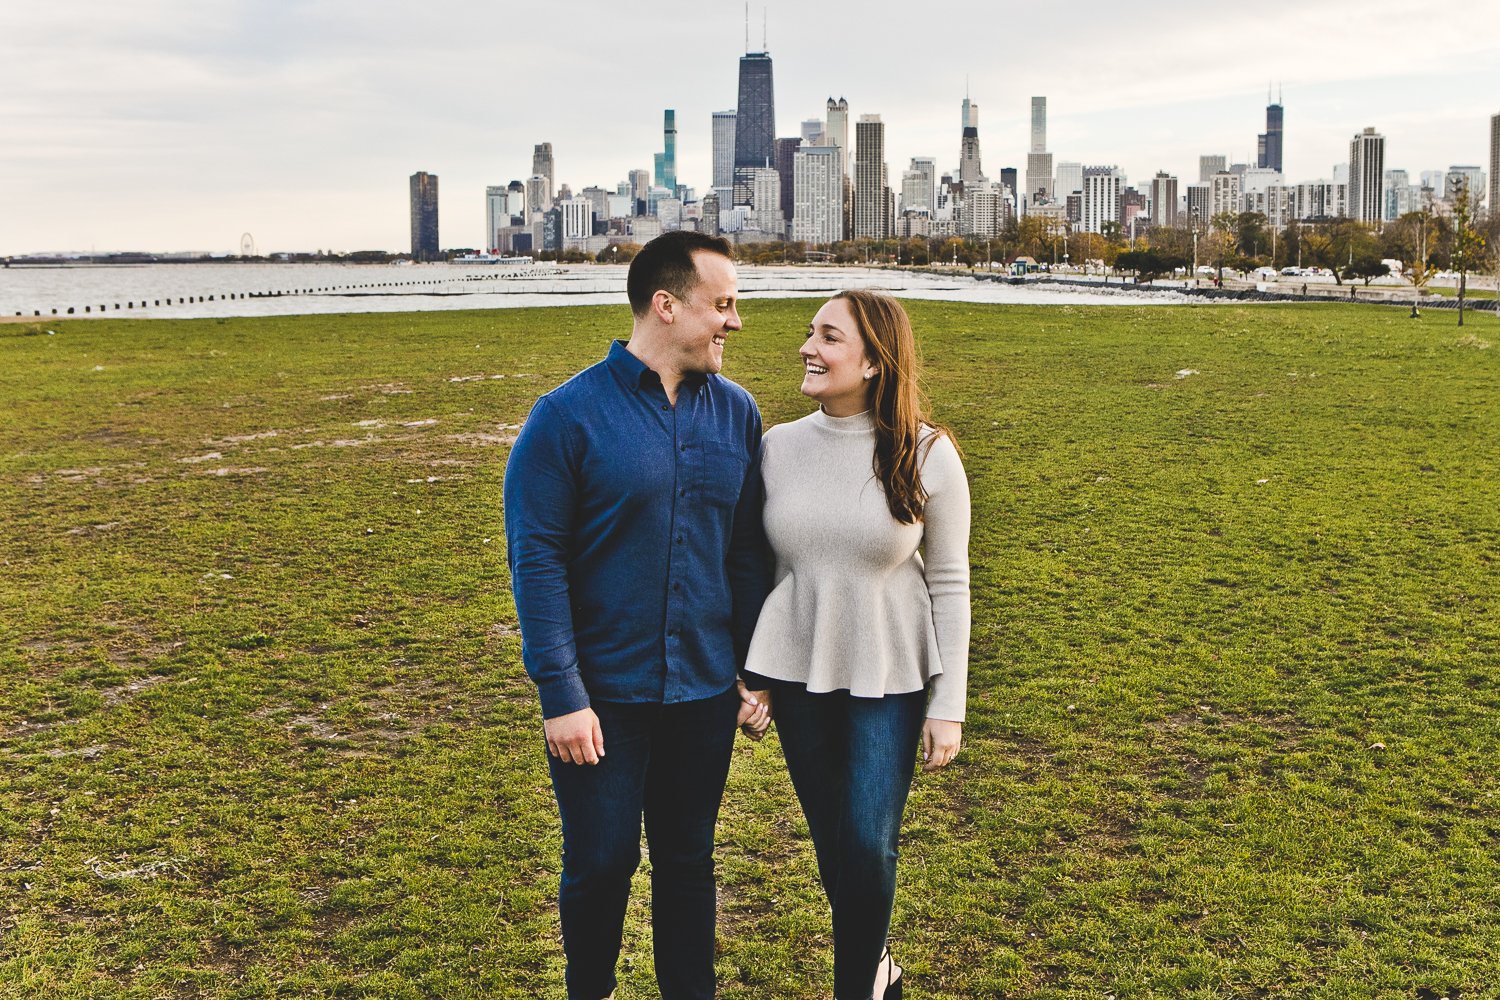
(747, 25)
(763, 18)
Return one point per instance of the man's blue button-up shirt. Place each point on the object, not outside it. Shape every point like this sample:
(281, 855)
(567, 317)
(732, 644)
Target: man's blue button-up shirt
(633, 529)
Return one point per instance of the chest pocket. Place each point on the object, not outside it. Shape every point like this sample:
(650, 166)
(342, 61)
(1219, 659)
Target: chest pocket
(722, 472)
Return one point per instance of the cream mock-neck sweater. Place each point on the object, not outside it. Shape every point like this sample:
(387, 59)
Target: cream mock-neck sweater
(862, 603)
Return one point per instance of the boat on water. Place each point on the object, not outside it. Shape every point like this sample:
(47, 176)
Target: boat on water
(490, 258)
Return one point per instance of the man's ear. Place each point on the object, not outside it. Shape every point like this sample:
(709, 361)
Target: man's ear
(664, 306)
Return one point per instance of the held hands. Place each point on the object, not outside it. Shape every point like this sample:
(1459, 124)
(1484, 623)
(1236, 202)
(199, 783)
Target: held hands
(755, 712)
(575, 738)
(940, 742)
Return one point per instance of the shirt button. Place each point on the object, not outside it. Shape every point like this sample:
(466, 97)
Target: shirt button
(664, 406)
(684, 447)
(679, 539)
(677, 585)
(682, 492)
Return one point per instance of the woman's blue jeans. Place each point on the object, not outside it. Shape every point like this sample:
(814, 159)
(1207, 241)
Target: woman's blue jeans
(668, 763)
(851, 761)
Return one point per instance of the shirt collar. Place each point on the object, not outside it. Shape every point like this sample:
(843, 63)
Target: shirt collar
(632, 371)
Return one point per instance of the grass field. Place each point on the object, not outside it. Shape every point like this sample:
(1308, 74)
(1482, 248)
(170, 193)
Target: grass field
(1233, 731)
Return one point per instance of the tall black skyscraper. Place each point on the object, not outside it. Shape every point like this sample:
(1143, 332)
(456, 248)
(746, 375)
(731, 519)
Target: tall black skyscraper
(1269, 144)
(424, 216)
(754, 122)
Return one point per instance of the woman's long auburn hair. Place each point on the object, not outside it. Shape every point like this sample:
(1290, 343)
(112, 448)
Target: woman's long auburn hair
(897, 405)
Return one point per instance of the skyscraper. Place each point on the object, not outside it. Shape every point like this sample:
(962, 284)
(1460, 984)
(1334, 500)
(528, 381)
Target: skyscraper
(1163, 199)
(1039, 183)
(640, 189)
(1494, 165)
(818, 198)
(1225, 191)
(542, 166)
(1069, 178)
(837, 131)
(537, 198)
(723, 149)
(1367, 176)
(754, 122)
(919, 185)
(1210, 165)
(496, 215)
(1269, 143)
(786, 152)
(969, 169)
(424, 216)
(871, 188)
(1101, 197)
(666, 160)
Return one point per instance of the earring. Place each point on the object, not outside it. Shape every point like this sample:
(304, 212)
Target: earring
(869, 375)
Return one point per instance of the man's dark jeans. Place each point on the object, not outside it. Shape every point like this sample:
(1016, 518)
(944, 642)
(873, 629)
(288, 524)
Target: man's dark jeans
(668, 763)
(851, 761)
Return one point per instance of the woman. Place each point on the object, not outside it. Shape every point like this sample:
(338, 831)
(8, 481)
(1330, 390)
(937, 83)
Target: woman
(863, 642)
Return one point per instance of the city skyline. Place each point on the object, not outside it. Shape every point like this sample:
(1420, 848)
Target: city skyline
(190, 125)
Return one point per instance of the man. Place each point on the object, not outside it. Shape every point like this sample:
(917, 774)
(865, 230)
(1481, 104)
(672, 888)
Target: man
(632, 519)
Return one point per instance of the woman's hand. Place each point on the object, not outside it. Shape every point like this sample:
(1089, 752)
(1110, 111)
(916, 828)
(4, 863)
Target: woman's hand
(940, 742)
(755, 712)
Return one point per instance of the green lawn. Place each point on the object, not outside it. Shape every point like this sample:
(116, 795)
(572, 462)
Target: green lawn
(264, 729)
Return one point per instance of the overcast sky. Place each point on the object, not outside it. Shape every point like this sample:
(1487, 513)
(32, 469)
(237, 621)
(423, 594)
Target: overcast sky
(180, 124)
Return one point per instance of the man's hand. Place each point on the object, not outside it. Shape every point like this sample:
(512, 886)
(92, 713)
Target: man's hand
(575, 738)
(940, 742)
(755, 712)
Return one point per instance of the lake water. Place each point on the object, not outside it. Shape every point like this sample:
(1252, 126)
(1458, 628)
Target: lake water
(181, 291)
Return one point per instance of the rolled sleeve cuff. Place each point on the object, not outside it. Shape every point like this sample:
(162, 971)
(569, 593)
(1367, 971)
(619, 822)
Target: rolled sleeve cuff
(563, 694)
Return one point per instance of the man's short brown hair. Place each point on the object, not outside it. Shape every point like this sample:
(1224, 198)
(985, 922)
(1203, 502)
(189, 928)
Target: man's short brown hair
(666, 264)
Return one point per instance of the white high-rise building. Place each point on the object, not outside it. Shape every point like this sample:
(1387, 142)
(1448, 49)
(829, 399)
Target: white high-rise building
(577, 218)
(836, 132)
(496, 215)
(871, 186)
(1101, 197)
(1367, 176)
(919, 185)
(1069, 178)
(723, 138)
(818, 194)
(985, 210)
(1225, 194)
(765, 199)
(1039, 182)
(1471, 178)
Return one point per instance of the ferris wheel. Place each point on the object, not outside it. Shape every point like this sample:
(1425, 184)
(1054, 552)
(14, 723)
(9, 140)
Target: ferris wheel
(247, 245)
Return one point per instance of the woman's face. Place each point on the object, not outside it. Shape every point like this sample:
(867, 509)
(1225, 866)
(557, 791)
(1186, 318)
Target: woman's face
(834, 364)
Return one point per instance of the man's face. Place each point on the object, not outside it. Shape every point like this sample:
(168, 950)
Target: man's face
(703, 321)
